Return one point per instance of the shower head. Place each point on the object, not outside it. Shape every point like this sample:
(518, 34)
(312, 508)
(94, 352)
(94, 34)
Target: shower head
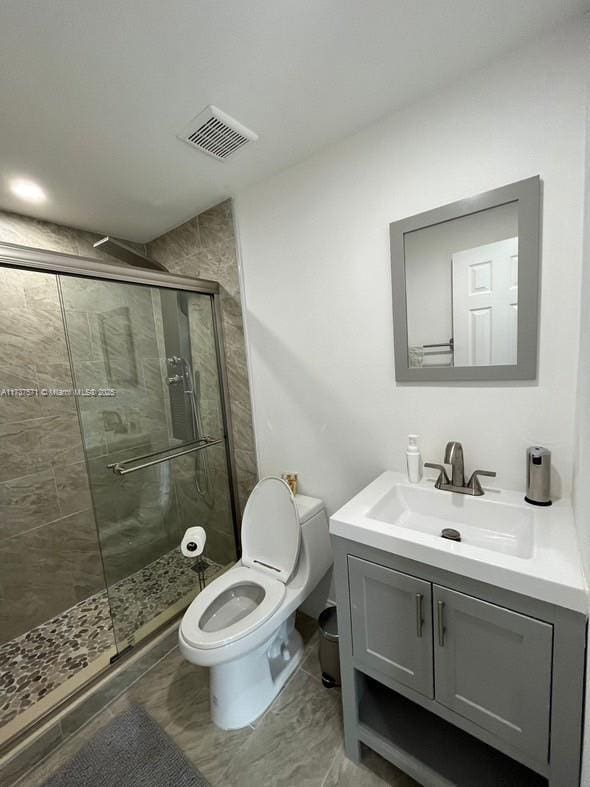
(126, 254)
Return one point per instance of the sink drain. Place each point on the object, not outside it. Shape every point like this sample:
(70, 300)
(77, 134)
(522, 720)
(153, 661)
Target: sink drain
(451, 534)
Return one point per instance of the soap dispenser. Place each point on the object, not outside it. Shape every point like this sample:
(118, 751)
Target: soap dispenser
(538, 476)
(413, 459)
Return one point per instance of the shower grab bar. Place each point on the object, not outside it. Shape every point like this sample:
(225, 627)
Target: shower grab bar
(120, 469)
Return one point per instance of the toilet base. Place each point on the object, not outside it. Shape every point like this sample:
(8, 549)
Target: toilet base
(242, 689)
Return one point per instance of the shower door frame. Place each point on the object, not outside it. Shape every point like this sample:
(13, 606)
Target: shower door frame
(65, 264)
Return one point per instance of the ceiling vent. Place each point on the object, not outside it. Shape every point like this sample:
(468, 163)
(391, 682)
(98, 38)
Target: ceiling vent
(217, 134)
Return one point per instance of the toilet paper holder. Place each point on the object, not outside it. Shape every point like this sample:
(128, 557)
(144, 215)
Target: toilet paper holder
(193, 541)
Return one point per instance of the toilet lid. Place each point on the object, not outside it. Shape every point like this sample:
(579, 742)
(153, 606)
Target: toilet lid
(271, 533)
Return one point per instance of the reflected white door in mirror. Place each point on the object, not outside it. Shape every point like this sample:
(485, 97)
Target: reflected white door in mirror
(485, 304)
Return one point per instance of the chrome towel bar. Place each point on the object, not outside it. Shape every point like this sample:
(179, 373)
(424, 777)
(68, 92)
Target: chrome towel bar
(450, 344)
(120, 469)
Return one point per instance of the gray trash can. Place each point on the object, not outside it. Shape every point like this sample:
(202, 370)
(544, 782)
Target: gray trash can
(329, 654)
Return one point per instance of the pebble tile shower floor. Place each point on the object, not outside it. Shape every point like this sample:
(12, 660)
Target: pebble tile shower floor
(43, 658)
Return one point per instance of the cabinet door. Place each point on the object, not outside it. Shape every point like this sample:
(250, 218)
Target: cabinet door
(493, 666)
(391, 617)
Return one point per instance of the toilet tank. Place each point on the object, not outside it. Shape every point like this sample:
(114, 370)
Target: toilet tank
(316, 552)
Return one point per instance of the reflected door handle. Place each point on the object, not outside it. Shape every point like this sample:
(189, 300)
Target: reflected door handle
(419, 614)
(441, 623)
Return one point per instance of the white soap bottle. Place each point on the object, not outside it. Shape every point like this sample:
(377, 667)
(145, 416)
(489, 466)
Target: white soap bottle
(413, 459)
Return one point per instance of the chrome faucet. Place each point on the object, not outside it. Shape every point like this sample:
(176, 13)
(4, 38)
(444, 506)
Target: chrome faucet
(454, 457)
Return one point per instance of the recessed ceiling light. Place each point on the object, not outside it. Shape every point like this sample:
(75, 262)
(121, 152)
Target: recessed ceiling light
(27, 190)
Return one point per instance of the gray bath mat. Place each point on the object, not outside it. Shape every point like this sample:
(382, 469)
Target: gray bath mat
(131, 751)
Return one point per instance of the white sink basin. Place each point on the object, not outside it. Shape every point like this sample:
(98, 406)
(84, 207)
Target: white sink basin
(504, 541)
(502, 528)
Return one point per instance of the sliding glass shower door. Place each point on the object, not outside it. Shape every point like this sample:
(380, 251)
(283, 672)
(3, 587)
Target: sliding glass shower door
(145, 363)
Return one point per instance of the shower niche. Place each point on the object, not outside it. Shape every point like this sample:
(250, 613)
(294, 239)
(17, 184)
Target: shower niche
(115, 438)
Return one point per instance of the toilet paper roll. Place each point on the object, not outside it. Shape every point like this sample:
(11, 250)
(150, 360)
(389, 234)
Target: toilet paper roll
(193, 542)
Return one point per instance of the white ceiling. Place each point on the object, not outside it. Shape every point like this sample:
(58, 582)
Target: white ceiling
(93, 92)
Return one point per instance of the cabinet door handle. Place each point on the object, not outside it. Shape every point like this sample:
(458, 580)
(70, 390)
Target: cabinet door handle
(441, 623)
(419, 614)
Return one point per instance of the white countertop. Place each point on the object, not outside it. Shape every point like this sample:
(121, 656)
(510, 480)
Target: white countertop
(550, 569)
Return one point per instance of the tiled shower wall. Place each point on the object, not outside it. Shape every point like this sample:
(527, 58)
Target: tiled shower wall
(134, 529)
(50, 558)
(205, 247)
(50, 555)
(46, 517)
(38, 234)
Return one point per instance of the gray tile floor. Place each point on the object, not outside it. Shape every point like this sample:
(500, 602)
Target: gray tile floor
(296, 743)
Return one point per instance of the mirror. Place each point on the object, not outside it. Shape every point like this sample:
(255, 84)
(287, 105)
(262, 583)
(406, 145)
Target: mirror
(465, 288)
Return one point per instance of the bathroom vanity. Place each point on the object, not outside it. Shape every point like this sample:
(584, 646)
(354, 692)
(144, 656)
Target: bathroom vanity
(462, 662)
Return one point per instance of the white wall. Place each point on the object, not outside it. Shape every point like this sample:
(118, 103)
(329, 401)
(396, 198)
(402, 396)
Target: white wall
(581, 490)
(315, 255)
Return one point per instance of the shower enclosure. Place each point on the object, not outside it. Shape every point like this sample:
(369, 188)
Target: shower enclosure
(114, 438)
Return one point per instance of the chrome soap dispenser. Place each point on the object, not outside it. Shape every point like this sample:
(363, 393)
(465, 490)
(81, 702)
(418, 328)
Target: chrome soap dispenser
(538, 476)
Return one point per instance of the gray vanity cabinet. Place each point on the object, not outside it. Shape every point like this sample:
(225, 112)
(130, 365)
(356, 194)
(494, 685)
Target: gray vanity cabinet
(493, 666)
(392, 623)
(457, 682)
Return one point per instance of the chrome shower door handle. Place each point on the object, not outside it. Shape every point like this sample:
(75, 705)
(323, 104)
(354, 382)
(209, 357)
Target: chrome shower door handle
(161, 456)
(419, 614)
(441, 623)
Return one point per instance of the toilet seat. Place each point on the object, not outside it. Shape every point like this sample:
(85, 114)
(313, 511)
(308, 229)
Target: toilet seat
(191, 625)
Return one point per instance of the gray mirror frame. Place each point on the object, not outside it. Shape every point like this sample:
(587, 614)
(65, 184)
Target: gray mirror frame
(527, 195)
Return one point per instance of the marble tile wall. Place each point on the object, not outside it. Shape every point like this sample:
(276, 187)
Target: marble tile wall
(43, 476)
(38, 234)
(49, 554)
(143, 515)
(134, 514)
(205, 247)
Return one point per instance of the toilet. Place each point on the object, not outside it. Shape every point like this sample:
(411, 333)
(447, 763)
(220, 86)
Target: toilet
(242, 625)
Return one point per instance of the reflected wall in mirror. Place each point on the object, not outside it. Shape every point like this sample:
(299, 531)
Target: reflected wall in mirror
(465, 288)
